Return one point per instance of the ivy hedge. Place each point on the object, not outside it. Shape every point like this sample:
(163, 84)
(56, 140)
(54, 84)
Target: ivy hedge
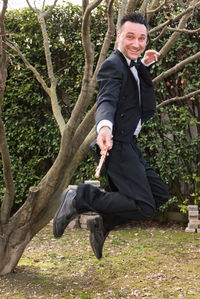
(170, 141)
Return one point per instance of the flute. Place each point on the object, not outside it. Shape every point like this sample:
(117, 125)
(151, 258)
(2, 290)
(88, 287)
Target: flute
(101, 161)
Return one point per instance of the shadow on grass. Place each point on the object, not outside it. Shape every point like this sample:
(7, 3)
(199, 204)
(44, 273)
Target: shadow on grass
(139, 262)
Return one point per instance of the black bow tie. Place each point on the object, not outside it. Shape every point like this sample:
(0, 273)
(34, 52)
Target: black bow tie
(135, 63)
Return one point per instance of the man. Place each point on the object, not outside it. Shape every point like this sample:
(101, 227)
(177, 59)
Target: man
(125, 100)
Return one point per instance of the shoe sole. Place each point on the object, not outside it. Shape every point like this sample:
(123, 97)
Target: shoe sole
(62, 200)
(92, 224)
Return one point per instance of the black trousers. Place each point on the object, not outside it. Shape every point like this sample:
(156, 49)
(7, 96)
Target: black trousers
(134, 189)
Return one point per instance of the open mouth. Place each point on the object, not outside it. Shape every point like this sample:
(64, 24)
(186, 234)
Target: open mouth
(134, 51)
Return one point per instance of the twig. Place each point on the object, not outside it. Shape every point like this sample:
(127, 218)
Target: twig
(176, 68)
(189, 95)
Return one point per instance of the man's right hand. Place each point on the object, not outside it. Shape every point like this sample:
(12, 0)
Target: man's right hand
(104, 138)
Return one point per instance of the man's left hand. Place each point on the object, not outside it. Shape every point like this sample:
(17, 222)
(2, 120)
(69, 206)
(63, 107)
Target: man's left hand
(151, 56)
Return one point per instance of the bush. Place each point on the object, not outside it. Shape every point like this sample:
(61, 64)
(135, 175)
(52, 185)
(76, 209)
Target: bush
(170, 141)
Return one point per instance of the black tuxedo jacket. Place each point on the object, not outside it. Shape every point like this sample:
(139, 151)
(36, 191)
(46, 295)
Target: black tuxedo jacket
(118, 98)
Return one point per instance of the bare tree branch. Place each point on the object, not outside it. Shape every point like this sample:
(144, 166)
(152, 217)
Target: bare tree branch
(29, 66)
(47, 50)
(131, 6)
(44, 13)
(87, 83)
(4, 8)
(7, 201)
(175, 99)
(3, 72)
(48, 11)
(85, 126)
(84, 5)
(173, 29)
(153, 7)
(84, 129)
(159, 36)
(153, 4)
(176, 68)
(152, 11)
(53, 96)
(88, 121)
(31, 7)
(174, 37)
(52, 90)
(121, 13)
(187, 31)
(86, 41)
(176, 18)
(43, 5)
(79, 135)
(108, 37)
(81, 153)
(143, 7)
(41, 19)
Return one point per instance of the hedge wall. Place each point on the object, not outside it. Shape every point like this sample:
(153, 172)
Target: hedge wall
(170, 141)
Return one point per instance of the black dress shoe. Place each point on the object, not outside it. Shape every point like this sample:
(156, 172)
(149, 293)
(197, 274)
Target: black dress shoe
(65, 214)
(98, 235)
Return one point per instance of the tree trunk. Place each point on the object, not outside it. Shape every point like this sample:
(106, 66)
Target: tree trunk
(12, 247)
(17, 233)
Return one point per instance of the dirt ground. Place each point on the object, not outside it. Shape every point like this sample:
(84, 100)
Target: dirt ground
(143, 261)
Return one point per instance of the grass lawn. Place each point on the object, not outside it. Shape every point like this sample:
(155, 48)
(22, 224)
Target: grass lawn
(143, 261)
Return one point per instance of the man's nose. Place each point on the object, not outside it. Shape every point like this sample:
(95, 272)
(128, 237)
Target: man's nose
(135, 43)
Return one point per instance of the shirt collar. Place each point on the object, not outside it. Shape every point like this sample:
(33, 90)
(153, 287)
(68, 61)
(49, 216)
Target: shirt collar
(127, 59)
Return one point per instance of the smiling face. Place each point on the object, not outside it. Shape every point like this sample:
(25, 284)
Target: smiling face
(132, 39)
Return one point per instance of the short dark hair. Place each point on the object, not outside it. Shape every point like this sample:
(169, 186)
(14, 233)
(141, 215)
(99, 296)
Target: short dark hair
(134, 18)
